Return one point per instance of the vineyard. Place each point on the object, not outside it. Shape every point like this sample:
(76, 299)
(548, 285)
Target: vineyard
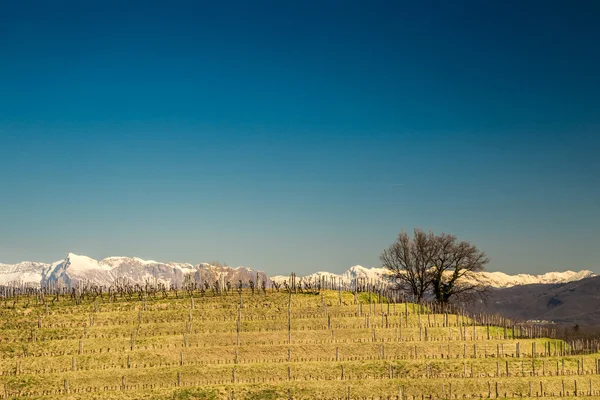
(276, 343)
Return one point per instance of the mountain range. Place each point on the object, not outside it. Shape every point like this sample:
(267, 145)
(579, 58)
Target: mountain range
(484, 278)
(76, 268)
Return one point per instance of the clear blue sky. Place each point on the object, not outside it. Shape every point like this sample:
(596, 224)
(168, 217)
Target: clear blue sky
(297, 135)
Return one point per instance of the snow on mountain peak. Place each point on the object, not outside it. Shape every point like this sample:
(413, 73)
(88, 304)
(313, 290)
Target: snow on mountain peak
(115, 261)
(484, 278)
(78, 268)
(502, 280)
(79, 263)
(75, 269)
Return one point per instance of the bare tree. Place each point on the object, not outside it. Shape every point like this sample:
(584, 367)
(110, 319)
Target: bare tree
(437, 263)
(453, 261)
(411, 260)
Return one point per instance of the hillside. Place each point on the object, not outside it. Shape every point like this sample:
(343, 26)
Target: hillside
(274, 345)
(572, 303)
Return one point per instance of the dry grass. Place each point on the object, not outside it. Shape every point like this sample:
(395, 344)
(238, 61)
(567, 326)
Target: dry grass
(163, 348)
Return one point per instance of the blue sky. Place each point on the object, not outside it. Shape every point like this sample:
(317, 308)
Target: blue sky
(299, 136)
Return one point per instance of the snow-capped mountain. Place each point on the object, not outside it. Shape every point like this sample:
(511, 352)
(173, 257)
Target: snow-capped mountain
(502, 280)
(491, 279)
(355, 272)
(28, 272)
(76, 269)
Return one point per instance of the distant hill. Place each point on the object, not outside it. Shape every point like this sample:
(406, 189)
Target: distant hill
(576, 302)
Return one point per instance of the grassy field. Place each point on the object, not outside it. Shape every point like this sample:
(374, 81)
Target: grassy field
(273, 345)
